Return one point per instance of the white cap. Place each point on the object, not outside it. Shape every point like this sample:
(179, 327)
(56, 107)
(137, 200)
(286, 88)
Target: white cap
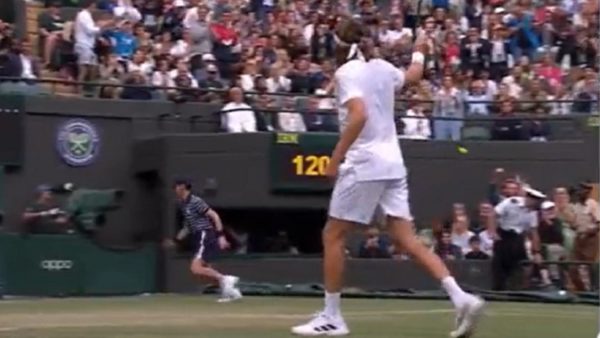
(547, 205)
(499, 10)
(179, 3)
(208, 57)
(534, 193)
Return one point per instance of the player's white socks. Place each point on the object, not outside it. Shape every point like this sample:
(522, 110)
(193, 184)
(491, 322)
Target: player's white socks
(332, 304)
(457, 295)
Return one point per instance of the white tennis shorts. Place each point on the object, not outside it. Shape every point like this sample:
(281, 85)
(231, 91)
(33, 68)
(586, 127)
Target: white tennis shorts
(356, 201)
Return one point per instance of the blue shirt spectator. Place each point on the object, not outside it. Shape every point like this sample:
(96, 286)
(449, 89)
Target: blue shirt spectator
(123, 41)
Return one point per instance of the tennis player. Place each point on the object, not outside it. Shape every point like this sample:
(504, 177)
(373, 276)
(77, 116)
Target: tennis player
(369, 170)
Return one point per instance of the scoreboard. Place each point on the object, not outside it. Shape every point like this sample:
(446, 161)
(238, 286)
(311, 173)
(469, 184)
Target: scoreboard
(298, 162)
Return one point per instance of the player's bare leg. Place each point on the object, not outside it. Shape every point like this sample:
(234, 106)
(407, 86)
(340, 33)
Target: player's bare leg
(469, 308)
(330, 321)
(228, 284)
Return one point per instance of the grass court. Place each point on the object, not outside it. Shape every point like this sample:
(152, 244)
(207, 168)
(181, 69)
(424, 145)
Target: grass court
(175, 316)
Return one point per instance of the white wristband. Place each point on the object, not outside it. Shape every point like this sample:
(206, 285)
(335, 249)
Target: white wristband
(418, 57)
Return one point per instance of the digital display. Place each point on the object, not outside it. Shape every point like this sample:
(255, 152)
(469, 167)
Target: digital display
(12, 132)
(298, 162)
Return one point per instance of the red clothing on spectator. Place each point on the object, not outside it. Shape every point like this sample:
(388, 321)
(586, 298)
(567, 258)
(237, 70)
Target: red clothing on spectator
(451, 52)
(551, 73)
(225, 35)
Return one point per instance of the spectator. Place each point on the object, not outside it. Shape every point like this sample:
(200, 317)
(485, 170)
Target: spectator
(321, 44)
(508, 127)
(549, 71)
(225, 40)
(485, 212)
(140, 63)
(587, 220)
(137, 87)
(212, 79)
(535, 98)
(30, 65)
(448, 105)
(200, 39)
(111, 70)
(475, 51)
(561, 101)
(374, 246)
(499, 53)
(161, 76)
(123, 42)
(249, 75)
(86, 32)
(461, 233)
(238, 117)
(550, 231)
(290, 120)
(524, 39)
(538, 130)
(489, 235)
(475, 251)
(416, 122)
(181, 48)
(50, 25)
(318, 119)
(123, 9)
(164, 45)
(44, 216)
(446, 250)
(301, 81)
(477, 100)
(277, 82)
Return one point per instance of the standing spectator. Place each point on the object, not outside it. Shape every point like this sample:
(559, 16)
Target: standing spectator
(524, 39)
(277, 82)
(448, 105)
(550, 231)
(475, 51)
(446, 250)
(499, 53)
(475, 251)
(123, 42)
(565, 211)
(507, 127)
(451, 50)
(461, 234)
(86, 32)
(225, 38)
(237, 116)
(374, 246)
(301, 81)
(477, 100)
(516, 217)
(416, 122)
(489, 235)
(321, 44)
(200, 39)
(587, 221)
(51, 25)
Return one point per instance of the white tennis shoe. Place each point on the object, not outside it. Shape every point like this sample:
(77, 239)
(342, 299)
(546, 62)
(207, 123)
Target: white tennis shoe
(322, 325)
(467, 317)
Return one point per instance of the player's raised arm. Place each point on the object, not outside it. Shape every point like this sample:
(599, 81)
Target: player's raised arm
(414, 73)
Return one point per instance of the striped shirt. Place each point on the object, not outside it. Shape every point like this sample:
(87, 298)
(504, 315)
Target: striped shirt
(194, 210)
(513, 215)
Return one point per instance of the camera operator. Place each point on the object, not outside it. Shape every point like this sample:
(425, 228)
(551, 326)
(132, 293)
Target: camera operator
(44, 216)
(516, 218)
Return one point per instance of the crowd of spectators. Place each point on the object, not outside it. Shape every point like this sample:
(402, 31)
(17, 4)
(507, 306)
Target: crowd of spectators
(500, 58)
(567, 225)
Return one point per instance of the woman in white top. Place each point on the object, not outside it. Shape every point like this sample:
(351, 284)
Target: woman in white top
(277, 81)
(238, 117)
(416, 123)
(248, 76)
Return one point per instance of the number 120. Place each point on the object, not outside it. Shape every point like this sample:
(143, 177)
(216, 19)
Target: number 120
(310, 165)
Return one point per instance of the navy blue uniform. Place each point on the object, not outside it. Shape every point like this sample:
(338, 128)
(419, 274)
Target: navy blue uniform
(194, 211)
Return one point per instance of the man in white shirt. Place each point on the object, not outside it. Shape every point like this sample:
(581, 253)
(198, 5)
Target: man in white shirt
(237, 116)
(369, 173)
(86, 32)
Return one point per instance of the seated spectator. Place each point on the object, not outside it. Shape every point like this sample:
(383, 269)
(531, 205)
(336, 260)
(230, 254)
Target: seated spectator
(475, 251)
(488, 236)
(290, 120)
(485, 212)
(211, 83)
(446, 250)
(317, 119)
(180, 72)
(461, 233)
(161, 76)
(507, 127)
(249, 75)
(50, 25)
(374, 246)
(417, 124)
(300, 77)
(140, 63)
(136, 87)
(111, 70)
(237, 116)
(44, 216)
(560, 101)
(30, 65)
(122, 9)
(534, 98)
(538, 130)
